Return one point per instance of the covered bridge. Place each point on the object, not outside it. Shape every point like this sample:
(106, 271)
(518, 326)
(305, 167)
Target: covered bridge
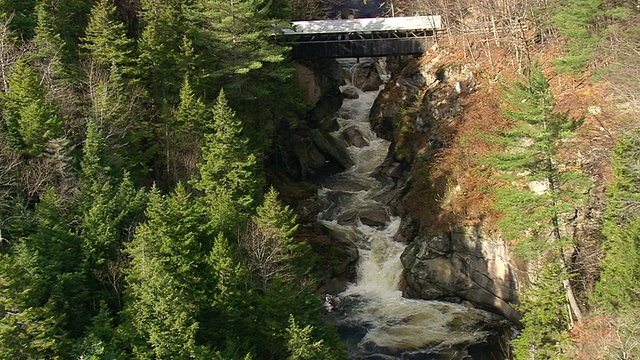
(367, 37)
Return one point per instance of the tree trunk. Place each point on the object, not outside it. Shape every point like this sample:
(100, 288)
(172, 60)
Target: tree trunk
(572, 300)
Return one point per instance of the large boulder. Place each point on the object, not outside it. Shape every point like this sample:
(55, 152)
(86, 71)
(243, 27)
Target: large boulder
(354, 137)
(462, 264)
(372, 216)
(332, 147)
(366, 75)
(350, 92)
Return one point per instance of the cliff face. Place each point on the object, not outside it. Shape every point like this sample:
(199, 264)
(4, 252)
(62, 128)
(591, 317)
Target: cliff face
(435, 110)
(446, 259)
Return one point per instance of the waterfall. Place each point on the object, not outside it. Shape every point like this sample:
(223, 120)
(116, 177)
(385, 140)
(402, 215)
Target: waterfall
(373, 318)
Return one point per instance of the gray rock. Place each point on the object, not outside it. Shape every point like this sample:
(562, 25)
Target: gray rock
(373, 216)
(329, 124)
(350, 92)
(353, 137)
(308, 156)
(462, 264)
(349, 186)
(331, 146)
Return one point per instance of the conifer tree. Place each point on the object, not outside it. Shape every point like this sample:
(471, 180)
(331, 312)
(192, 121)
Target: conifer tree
(619, 286)
(183, 135)
(66, 19)
(270, 249)
(23, 16)
(43, 302)
(167, 277)
(240, 31)
(545, 319)
(29, 120)
(108, 206)
(160, 57)
(229, 167)
(301, 344)
(50, 53)
(576, 19)
(105, 37)
(539, 189)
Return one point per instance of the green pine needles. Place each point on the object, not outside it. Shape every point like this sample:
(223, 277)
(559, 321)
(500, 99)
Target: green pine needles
(540, 192)
(618, 289)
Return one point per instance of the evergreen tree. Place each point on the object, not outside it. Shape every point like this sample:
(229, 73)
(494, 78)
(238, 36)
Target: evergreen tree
(67, 19)
(116, 108)
(183, 135)
(167, 277)
(22, 16)
(618, 288)
(43, 290)
(575, 19)
(229, 168)
(301, 344)
(270, 249)
(105, 37)
(50, 53)
(108, 207)
(240, 32)
(29, 120)
(544, 335)
(539, 189)
(161, 60)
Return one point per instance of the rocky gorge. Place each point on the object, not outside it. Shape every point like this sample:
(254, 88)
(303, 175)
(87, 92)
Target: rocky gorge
(458, 263)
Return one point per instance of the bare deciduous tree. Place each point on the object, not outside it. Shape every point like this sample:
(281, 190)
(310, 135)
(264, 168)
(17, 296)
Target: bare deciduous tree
(266, 254)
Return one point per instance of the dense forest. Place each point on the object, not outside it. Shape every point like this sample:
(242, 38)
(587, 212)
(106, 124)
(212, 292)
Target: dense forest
(136, 142)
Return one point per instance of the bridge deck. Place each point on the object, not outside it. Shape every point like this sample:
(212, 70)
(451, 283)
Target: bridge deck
(367, 25)
(366, 37)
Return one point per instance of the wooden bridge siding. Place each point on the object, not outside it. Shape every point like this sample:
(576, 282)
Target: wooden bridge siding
(361, 48)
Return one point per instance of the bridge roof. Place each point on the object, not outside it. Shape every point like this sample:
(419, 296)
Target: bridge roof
(408, 23)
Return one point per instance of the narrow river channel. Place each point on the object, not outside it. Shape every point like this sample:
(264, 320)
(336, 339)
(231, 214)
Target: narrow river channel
(373, 318)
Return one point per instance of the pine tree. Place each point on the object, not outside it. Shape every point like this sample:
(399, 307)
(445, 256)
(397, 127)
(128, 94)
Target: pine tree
(575, 19)
(183, 135)
(67, 20)
(161, 60)
(50, 55)
(167, 277)
(108, 206)
(301, 344)
(44, 294)
(240, 31)
(29, 120)
(270, 249)
(618, 288)
(23, 16)
(545, 319)
(539, 190)
(229, 168)
(105, 37)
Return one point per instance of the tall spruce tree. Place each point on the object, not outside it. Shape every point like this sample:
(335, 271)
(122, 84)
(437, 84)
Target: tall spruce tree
(43, 302)
(30, 121)
(183, 135)
(168, 278)
(161, 65)
(539, 190)
(575, 19)
(270, 249)
(619, 286)
(229, 168)
(22, 14)
(108, 206)
(105, 37)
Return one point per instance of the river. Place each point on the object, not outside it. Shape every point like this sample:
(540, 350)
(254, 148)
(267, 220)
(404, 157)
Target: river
(372, 317)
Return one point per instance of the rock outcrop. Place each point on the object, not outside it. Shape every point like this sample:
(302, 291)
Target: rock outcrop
(462, 264)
